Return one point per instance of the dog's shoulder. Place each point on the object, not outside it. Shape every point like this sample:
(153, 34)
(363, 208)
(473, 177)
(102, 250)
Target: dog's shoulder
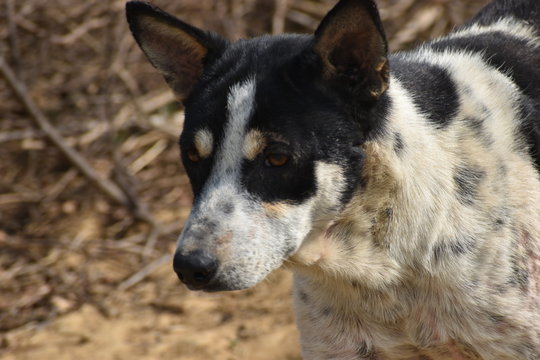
(505, 36)
(521, 58)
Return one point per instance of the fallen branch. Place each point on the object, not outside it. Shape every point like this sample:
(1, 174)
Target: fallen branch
(280, 13)
(144, 272)
(108, 187)
(13, 33)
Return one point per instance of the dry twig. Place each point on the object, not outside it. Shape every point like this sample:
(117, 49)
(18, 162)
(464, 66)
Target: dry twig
(105, 185)
(77, 159)
(147, 270)
(280, 13)
(13, 34)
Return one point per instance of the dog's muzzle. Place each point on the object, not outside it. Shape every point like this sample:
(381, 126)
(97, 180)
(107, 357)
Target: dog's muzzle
(196, 269)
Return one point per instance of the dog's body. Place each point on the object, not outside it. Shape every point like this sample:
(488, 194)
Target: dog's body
(403, 190)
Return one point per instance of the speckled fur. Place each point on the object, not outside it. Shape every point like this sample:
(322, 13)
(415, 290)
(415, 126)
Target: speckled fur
(421, 265)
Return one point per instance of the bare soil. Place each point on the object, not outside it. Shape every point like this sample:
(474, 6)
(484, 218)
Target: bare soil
(161, 320)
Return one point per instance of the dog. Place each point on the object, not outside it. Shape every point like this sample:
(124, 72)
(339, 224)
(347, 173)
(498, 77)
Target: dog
(403, 189)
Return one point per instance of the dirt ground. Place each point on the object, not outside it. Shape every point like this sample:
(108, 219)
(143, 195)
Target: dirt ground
(161, 320)
(86, 239)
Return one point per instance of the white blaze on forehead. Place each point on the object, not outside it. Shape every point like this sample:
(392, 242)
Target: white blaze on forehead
(204, 142)
(224, 182)
(240, 105)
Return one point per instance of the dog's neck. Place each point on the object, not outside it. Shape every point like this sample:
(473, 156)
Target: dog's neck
(399, 176)
(420, 214)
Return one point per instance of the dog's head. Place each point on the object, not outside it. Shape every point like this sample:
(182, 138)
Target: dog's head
(272, 134)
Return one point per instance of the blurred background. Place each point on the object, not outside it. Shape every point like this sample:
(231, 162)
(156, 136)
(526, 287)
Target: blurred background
(93, 195)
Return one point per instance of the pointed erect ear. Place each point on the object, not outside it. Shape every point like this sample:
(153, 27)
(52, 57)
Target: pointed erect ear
(351, 44)
(180, 51)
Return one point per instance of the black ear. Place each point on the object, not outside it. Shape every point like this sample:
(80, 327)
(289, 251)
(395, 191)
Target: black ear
(180, 51)
(351, 44)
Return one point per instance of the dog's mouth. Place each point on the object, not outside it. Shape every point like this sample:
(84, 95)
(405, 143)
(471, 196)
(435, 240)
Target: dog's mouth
(216, 284)
(200, 270)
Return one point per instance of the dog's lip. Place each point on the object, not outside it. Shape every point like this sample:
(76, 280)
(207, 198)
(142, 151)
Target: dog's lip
(215, 286)
(195, 288)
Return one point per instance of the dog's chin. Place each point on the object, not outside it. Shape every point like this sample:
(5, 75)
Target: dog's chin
(211, 288)
(217, 286)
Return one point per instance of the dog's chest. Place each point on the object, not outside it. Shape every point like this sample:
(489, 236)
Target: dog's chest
(379, 327)
(342, 339)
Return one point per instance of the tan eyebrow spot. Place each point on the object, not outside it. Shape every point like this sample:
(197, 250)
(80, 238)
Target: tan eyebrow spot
(276, 209)
(204, 143)
(254, 144)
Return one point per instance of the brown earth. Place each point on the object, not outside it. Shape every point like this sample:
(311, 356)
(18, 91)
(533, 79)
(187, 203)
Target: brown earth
(85, 275)
(161, 320)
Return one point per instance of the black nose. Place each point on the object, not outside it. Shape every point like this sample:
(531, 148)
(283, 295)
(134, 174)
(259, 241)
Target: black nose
(195, 269)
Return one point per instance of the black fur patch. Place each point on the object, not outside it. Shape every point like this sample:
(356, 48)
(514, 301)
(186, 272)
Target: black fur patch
(496, 318)
(476, 124)
(227, 208)
(303, 296)
(399, 145)
(527, 351)
(528, 10)
(501, 217)
(467, 180)
(460, 246)
(326, 311)
(431, 87)
(520, 274)
(506, 53)
(365, 353)
(530, 128)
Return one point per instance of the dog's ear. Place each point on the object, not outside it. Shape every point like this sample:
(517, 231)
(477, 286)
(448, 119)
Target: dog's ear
(352, 47)
(178, 50)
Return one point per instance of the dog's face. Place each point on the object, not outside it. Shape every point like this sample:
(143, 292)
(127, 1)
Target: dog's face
(272, 134)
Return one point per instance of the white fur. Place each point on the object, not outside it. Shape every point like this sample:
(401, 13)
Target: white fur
(239, 107)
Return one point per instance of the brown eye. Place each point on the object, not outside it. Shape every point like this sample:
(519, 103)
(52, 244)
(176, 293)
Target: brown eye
(193, 155)
(276, 160)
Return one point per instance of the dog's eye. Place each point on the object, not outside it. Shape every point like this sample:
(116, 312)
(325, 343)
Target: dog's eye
(193, 155)
(275, 160)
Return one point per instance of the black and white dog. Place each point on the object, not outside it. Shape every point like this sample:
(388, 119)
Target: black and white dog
(403, 190)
